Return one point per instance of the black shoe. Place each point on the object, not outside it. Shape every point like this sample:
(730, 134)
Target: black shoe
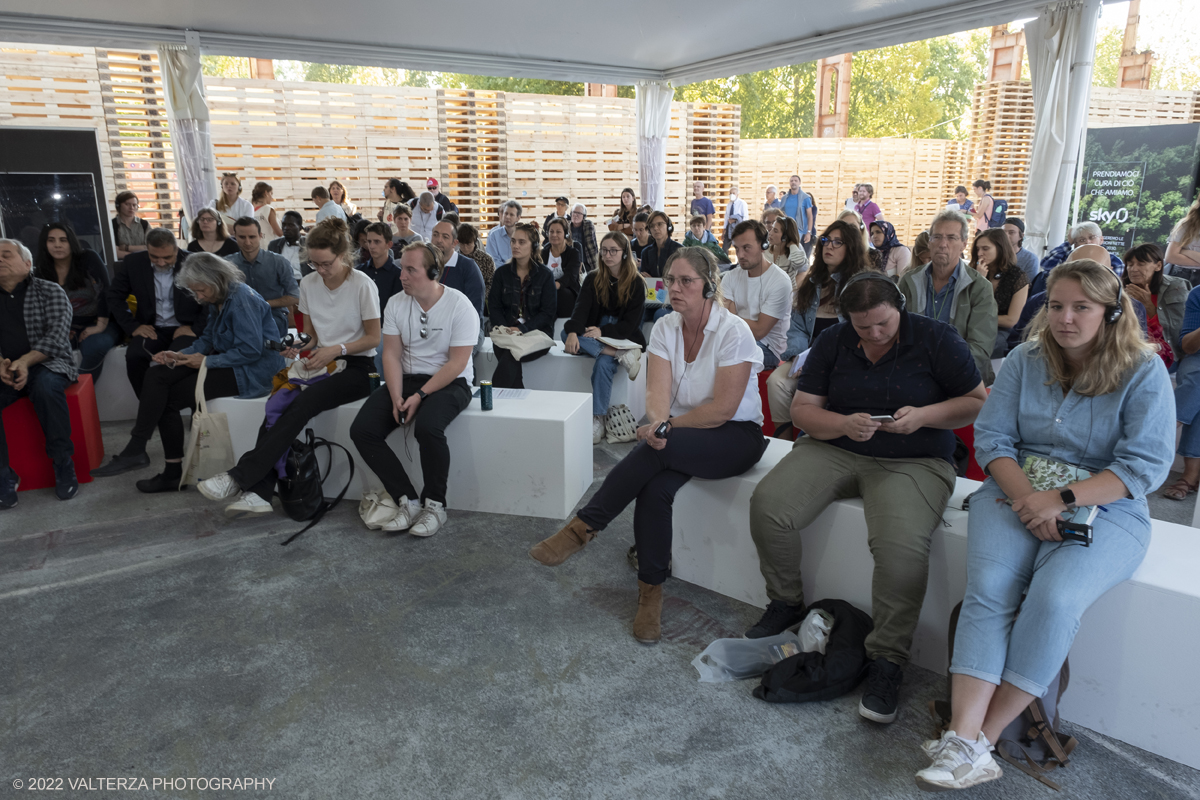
(882, 697)
(9, 481)
(120, 464)
(778, 617)
(162, 482)
(66, 485)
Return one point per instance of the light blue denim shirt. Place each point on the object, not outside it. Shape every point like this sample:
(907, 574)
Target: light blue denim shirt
(236, 334)
(271, 275)
(1130, 431)
(799, 335)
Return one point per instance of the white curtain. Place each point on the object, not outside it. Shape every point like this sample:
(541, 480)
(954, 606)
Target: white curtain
(654, 126)
(1061, 45)
(191, 139)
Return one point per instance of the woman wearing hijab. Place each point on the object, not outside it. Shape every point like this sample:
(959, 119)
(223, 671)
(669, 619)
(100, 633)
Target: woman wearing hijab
(894, 257)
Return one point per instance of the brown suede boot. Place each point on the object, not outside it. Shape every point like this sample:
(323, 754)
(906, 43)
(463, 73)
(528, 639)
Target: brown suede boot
(564, 544)
(647, 625)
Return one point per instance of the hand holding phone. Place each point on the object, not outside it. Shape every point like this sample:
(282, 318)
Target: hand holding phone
(884, 418)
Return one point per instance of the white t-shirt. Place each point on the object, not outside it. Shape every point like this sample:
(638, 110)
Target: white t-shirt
(555, 265)
(452, 322)
(727, 342)
(770, 294)
(1193, 245)
(330, 209)
(338, 315)
(240, 208)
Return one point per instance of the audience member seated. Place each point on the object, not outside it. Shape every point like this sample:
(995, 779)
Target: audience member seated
(326, 208)
(960, 202)
(425, 215)
(948, 290)
(992, 256)
(262, 197)
(267, 273)
(404, 234)
(292, 245)
(468, 247)
(785, 250)
(345, 330)
(209, 234)
(81, 273)
(1183, 248)
(563, 260)
(379, 266)
(583, 235)
(429, 331)
(705, 422)
(522, 299)
(611, 303)
(697, 234)
(839, 256)
(921, 250)
(499, 238)
(339, 195)
(661, 246)
(1187, 400)
(129, 230)
(759, 292)
(167, 317)
(1014, 227)
(852, 217)
(622, 220)
(35, 362)
(233, 349)
(1082, 234)
(641, 234)
(459, 272)
(358, 235)
(562, 210)
(230, 204)
(888, 362)
(1163, 296)
(894, 257)
(1084, 401)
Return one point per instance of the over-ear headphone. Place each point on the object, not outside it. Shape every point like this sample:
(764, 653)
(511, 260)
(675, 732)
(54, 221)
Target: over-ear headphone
(872, 275)
(436, 270)
(1113, 313)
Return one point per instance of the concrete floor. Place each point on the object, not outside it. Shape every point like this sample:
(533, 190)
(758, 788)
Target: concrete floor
(146, 636)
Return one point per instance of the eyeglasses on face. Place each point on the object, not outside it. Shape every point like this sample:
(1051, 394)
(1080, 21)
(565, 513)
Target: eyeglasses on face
(610, 251)
(684, 282)
(941, 237)
(831, 242)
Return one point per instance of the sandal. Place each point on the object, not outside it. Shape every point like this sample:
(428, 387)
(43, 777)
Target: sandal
(1180, 490)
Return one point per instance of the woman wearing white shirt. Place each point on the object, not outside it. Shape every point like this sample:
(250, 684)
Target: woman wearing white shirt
(562, 259)
(341, 310)
(702, 389)
(230, 204)
(785, 250)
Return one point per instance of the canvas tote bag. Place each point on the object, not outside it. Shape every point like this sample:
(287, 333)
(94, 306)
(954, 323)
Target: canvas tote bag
(210, 449)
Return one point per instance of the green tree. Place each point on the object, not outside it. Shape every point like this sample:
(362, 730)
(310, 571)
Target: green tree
(776, 103)
(957, 64)
(225, 66)
(1107, 61)
(891, 94)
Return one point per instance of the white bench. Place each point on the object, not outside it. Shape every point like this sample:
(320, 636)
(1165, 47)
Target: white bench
(1131, 664)
(531, 457)
(115, 399)
(560, 371)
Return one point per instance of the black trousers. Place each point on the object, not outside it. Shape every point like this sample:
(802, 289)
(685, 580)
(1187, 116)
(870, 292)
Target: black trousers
(46, 389)
(166, 392)
(652, 477)
(255, 470)
(566, 302)
(375, 421)
(508, 374)
(140, 349)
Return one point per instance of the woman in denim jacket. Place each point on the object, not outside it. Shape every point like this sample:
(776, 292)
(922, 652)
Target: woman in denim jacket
(1089, 400)
(522, 298)
(233, 348)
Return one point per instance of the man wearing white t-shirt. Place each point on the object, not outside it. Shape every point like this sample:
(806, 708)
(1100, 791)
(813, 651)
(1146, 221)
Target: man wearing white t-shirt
(428, 332)
(759, 292)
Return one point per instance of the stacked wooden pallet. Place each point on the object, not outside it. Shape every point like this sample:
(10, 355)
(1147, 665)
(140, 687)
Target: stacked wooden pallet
(1001, 140)
(471, 131)
(1117, 107)
(712, 154)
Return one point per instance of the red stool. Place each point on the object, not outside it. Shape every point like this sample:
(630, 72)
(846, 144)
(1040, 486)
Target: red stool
(974, 471)
(768, 423)
(27, 443)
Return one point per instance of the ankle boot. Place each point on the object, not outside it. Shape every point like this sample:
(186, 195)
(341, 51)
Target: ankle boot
(647, 625)
(562, 545)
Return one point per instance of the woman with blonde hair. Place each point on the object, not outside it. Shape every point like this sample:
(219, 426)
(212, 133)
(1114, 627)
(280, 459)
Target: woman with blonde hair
(230, 204)
(1183, 248)
(852, 217)
(1078, 429)
(339, 195)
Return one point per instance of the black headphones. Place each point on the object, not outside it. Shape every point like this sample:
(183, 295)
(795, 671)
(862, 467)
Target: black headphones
(1114, 312)
(436, 270)
(872, 275)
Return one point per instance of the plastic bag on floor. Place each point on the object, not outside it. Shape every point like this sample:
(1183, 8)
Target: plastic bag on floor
(814, 631)
(738, 659)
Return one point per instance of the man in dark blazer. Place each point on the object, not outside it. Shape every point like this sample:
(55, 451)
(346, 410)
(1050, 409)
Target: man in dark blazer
(167, 317)
(458, 271)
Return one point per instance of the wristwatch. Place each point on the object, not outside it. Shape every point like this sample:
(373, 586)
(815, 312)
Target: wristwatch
(343, 349)
(1068, 497)
(421, 394)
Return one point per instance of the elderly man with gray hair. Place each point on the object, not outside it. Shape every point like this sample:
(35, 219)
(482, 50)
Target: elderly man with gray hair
(35, 362)
(499, 238)
(425, 215)
(1082, 234)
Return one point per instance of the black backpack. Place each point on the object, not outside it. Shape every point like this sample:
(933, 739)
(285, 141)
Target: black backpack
(302, 492)
(805, 677)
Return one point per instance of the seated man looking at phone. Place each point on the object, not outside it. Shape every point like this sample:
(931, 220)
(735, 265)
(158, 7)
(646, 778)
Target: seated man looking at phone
(883, 363)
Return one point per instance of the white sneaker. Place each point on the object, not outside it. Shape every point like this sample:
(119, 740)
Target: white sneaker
(403, 520)
(248, 505)
(219, 487)
(959, 764)
(430, 519)
(631, 360)
(598, 428)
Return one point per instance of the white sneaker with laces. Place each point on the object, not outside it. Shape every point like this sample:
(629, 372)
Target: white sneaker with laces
(218, 487)
(597, 429)
(959, 764)
(405, 511)
(249, 504)
(430, 519)
(631, 360)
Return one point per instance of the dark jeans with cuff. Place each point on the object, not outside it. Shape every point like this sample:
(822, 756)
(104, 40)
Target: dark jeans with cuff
(375, 422)
(652, 477)
(47, 390)
(140, 350)
(169, 390)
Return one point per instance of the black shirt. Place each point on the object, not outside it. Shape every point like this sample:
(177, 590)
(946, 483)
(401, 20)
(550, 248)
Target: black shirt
(14, 338)
(229, 248)
(655, 258)
(929, 363)
(387, 280)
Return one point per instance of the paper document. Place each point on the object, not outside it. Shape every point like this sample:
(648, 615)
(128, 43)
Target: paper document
(505, 394)
(798, 362)
(620, 344)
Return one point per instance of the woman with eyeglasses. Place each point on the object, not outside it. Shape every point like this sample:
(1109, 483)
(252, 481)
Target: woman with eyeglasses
(839, 256)
(661, 246)
(522, 298)
(583, 236)
(705, 421)
(563, 261)
(341, 312)
(210, 236)
(611, 304)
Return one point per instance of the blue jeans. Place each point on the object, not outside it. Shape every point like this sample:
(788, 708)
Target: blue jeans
(1060, 581)
(770, 360)
(47, 391)
(602, 371)
(94, 348)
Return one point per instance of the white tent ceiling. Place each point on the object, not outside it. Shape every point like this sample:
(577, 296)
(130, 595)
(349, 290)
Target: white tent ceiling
(619, 41)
